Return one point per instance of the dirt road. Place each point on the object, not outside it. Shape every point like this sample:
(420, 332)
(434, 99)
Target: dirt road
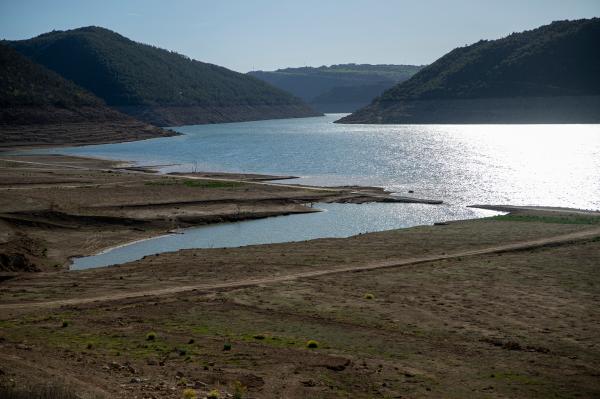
(530, 244)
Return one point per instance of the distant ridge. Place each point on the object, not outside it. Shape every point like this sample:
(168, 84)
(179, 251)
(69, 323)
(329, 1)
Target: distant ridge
(155, 85)
(38, 107)
(338, 88)
(547, 75)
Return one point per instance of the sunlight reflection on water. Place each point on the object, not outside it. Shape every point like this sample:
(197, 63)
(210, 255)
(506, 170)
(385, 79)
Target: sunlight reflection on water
(553, 165)
(548, 165)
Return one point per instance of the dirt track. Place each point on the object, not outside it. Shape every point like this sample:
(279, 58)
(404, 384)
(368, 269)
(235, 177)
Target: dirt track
(581, 235)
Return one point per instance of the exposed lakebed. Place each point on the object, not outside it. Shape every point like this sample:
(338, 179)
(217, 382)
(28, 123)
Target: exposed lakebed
(459, 164)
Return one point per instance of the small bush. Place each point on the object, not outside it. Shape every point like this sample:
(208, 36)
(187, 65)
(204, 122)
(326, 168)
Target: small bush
(191, 341)
(259, 337)
(369, 296)
(151, 336)
(239, 390)
(89, 345)
(227, 347)
(214, 394)
(312, 344)
(189, 393)
(65, 323)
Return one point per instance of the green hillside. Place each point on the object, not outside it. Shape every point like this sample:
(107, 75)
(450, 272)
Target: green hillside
(24, 83)
(157, 85)
(343, 85)
(39, 107)
(557, 60)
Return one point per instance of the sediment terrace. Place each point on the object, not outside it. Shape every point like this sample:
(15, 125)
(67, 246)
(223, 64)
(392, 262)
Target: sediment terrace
(55, 207)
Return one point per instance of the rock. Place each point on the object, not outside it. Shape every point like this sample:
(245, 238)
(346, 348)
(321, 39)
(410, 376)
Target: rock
(135, 380)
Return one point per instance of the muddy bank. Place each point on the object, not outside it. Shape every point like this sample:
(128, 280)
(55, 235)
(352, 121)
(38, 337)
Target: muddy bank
(57, 207)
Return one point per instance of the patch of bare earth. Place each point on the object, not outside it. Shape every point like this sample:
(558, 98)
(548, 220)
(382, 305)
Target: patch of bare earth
(521, 322)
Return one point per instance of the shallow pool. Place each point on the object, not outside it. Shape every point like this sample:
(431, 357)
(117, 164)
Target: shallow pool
(336, 220)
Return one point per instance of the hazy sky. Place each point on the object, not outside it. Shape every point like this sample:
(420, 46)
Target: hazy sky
(270, 34)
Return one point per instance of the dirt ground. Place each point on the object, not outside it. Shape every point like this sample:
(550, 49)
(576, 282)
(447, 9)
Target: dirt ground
(503, 307)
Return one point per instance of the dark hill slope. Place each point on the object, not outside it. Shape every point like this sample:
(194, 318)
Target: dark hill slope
(156, 85)
(338, 88)
(546, 75)
(38, 107)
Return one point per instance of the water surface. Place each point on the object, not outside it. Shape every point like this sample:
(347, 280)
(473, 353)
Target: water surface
(337, 220)
(547, 165)
(552, 165)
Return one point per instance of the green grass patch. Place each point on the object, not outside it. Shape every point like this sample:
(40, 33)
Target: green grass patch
(211, 184)
(560, 219)
(516, 377)
(195, 183)
(162, 183)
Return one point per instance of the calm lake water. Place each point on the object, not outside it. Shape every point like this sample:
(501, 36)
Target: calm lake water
(553, 165)
(336, 220)
(550, 165)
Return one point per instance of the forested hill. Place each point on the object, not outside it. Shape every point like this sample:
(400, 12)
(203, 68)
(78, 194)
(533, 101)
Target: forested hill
(339, 87)
(493, 78)
(39, 107)
(154, 84)
(24, 83)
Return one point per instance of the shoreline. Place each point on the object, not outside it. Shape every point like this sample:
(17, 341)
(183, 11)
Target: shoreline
(489, 295)
(48, 198)
(484, 298)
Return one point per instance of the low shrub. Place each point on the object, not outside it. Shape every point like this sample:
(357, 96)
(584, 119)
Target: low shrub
(214, 394)
(227, 347)
(312, 344)
(189, 393)
(151, 336)
(239, 390)
(369, 296)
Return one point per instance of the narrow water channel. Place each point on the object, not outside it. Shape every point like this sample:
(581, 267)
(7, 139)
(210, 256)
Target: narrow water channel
(336, 220)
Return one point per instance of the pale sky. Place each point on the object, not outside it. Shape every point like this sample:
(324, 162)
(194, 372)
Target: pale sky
(268, 34)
